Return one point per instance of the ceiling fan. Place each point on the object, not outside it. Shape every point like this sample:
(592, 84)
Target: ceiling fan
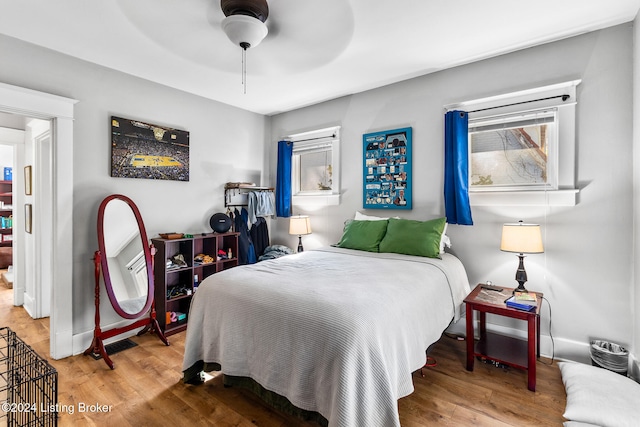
(244, 24)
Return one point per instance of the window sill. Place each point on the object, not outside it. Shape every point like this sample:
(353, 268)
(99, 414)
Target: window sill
(330, 200)
(524, 198)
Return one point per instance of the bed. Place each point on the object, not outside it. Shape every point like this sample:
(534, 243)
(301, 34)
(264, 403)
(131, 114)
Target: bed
(335, 331)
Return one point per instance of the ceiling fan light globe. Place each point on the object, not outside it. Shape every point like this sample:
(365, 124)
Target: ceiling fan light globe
(242, 30)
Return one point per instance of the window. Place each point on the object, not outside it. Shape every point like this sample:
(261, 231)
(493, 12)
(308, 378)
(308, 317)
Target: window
(316, 167)
(514, 151)
(315, 164)
(522, 147)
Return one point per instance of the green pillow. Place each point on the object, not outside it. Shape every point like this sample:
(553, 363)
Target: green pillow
(410, 237)
(363, 235)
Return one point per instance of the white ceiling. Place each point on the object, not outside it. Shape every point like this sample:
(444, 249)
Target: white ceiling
(315, 50)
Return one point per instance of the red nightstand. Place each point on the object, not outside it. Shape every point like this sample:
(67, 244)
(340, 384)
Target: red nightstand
(503, 349)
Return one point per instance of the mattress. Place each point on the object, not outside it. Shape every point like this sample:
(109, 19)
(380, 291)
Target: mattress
(335, 331)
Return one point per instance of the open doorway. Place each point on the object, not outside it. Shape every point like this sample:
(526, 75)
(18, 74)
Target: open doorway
(24, 144)
(24, 197)
(54, 216)
(11, 155)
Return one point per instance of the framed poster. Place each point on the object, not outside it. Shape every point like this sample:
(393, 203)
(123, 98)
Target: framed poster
(27, 180)
(387, 169)
(143, 150)
(27, 218)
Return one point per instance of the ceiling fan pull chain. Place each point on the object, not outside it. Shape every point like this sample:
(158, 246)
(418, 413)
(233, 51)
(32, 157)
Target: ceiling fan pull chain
(244, 70)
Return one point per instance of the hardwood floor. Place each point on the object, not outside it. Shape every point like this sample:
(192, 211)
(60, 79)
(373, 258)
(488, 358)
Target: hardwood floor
(145, 388)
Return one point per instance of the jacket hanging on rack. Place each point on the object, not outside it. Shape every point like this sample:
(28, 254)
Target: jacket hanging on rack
(246, 251)
(260, 203)
(260, 236)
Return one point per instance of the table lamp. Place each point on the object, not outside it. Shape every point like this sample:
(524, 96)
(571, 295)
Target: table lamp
(300, 225)
(522, 239)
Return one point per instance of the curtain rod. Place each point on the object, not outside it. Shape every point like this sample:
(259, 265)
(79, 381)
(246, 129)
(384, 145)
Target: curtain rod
(564, 98)
(313, 139)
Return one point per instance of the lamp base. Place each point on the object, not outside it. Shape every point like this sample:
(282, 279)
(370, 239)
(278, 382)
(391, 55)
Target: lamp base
(300, 248)
(520, 288)
(521, 275)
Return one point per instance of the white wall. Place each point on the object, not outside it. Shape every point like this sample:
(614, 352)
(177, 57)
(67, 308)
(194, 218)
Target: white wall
(586, 270)
(225, 145)
(6, 158)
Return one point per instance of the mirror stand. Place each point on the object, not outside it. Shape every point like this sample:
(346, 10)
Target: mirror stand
(150, 323)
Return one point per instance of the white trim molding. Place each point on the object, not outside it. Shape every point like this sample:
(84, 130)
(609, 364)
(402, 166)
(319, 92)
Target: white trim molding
(59, 110)
(524, 198)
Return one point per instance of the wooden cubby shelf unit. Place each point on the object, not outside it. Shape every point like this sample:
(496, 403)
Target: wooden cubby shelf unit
(174, 286)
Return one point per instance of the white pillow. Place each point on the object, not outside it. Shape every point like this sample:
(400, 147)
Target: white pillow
(599, 396)
(444, 239)
(362, 217)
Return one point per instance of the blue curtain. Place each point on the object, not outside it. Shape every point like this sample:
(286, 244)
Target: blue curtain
(456, 168)
(283, 179)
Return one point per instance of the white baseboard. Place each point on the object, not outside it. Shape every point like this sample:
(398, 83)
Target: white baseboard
(63, 345)
(558, 348)
(28, 304)
(83, 340)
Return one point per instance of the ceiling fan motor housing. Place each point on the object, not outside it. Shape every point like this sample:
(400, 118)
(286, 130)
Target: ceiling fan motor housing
(255, 8)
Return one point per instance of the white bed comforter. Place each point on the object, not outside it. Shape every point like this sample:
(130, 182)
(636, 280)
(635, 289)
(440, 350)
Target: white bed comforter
(336, 331)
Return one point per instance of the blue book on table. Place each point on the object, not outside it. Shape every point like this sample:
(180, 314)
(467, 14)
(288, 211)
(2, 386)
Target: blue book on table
(521, 305)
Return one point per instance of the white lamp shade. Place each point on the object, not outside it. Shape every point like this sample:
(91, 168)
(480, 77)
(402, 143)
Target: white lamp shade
(299, 225)
(244, 29)
(521, 238)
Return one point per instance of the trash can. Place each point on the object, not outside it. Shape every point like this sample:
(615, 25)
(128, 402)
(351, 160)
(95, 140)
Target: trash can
(610, 356)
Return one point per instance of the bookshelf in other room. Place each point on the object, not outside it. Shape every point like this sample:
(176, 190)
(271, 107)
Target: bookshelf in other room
(6, 214)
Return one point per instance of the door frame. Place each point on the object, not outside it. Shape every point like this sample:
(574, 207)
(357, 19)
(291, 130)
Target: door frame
(60, 112)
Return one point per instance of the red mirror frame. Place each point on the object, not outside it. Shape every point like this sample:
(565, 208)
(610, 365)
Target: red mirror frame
(103, 257)
(150, 323)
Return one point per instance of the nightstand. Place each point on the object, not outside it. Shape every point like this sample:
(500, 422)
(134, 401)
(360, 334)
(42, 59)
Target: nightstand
(510, 351)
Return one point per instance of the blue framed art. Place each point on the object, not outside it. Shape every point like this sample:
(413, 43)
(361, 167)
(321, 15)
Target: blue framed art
(387, 169)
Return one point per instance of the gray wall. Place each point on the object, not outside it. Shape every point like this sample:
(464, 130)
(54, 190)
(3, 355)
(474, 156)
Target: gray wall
(225, 145)
(635, 300)
(586, 270)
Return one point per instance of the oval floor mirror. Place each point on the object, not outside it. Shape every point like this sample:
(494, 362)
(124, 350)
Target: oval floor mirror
(126, 260)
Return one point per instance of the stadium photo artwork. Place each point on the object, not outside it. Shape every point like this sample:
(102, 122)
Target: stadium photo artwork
(143, 150)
